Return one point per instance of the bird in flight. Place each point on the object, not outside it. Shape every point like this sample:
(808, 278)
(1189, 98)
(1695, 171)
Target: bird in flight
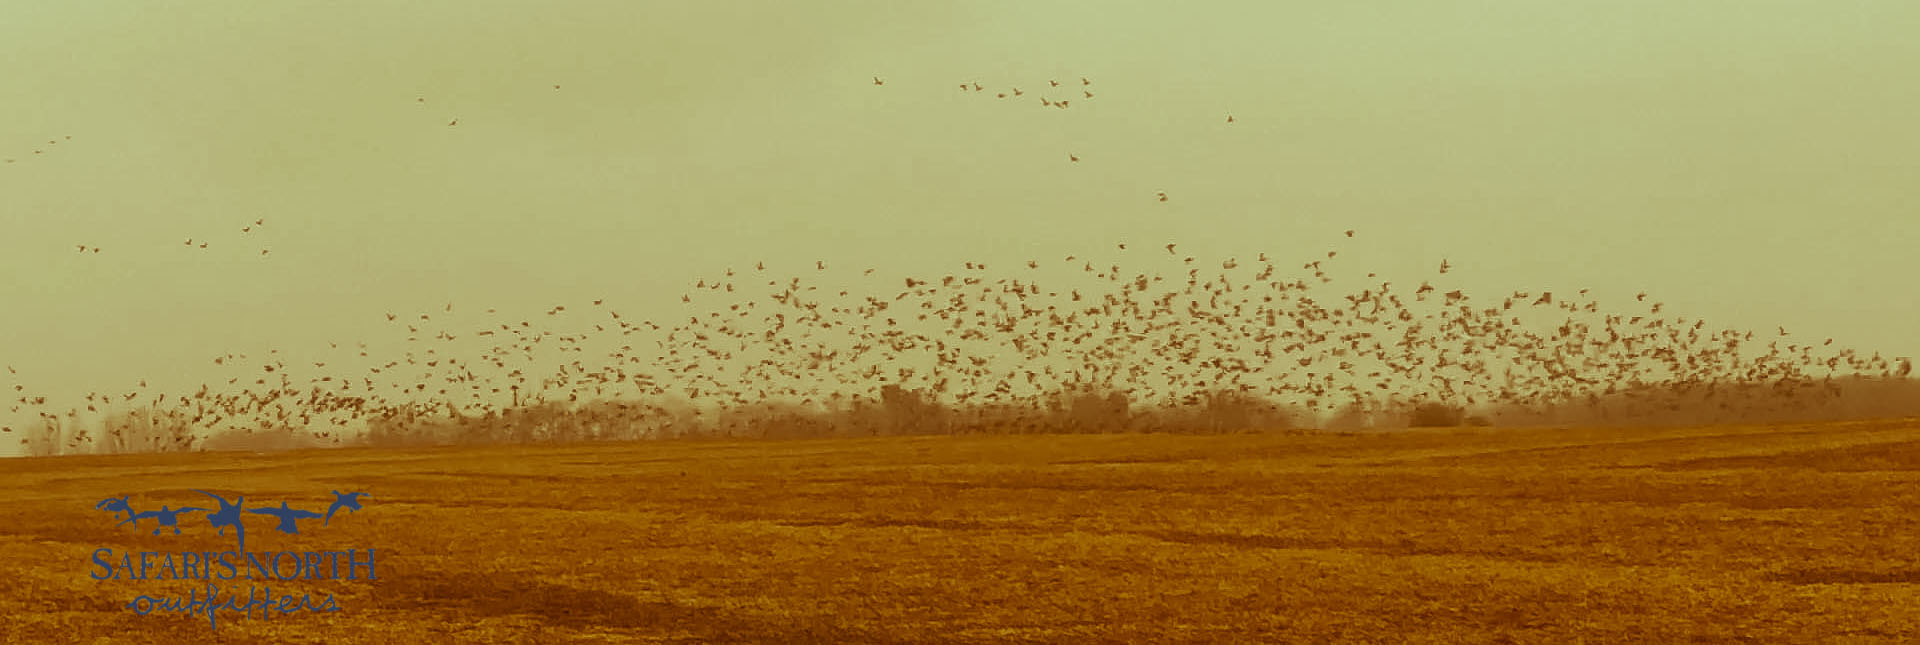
(229, 515)
(115, 505)
(1072, 157)
(876, 81)
(349, 501)
(1444, 266)
(1229, 118)
(165, 516)
(453, 122)
(289, 517)
(1349, 232)
(1162, 194)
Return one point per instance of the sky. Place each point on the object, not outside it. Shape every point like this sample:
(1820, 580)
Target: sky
(1747, 162)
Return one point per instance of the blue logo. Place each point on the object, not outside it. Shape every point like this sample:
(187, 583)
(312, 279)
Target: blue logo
(229, 516)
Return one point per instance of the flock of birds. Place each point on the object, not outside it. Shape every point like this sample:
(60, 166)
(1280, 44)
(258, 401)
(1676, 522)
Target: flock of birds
(1001, 350)
(40, 149)
(1046, 101)
(985, 350)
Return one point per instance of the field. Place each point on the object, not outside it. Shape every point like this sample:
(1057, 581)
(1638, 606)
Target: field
(1786, 533)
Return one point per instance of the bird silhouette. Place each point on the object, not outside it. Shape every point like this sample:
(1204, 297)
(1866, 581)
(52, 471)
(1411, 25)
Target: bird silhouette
(349, 501)
(165, 517)
(288, 517)
(228, 516)
(115, 505)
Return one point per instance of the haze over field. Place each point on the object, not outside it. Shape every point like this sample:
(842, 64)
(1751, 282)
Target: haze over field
(1748, 164)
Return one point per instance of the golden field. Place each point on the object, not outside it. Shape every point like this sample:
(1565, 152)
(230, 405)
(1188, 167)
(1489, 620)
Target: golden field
(1767, 534)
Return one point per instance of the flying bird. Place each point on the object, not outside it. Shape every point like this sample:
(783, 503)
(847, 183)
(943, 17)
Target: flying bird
(349, 501)
(165, 516)
(229, 515)
(289, 517)
(876, 81)
(115, 505)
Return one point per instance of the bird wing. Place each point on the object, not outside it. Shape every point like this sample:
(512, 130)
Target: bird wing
(191, 509)
(302, 513)
(264, 511)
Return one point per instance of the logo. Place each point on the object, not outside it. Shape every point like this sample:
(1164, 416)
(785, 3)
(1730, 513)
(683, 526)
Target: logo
(230, 518)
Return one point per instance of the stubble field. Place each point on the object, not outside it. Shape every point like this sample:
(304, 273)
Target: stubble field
(1789, 533)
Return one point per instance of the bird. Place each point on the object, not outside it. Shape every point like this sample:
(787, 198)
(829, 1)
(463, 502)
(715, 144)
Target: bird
(1072, 157)
(1444, 266)
(453, 122)
(115, 505)
(876, 81)
(229, 515)
(1084, 81)
(349, 501)
(165, 517)
(1162, 194)
(288, 517)
(1349, 232)
(1229, 118)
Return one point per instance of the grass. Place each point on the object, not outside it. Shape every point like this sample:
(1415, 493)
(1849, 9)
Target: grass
(1782, 533)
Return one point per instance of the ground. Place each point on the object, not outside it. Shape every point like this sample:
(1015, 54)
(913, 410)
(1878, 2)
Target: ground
(1767, 534)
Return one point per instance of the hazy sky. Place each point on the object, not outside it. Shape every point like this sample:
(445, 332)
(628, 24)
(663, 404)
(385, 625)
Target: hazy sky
(1753, 163)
